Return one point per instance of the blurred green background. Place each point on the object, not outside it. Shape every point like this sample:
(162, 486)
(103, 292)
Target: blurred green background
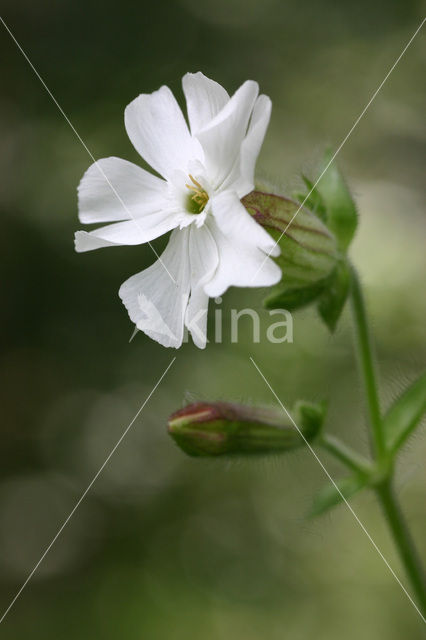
(165, 546)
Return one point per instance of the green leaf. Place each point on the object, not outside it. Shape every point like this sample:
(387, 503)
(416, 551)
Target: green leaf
(332, 301)
(310, 417)
(294, 297)
(342, 217)
(312, 200)
(329, 496)
(315, 200)
(405, 414)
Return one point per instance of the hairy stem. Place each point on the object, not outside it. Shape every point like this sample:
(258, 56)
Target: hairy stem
(345, 454)
(403, 542)
(366, 361)
(394, 517)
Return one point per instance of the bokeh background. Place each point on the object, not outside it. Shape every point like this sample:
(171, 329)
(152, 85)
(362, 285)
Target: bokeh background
(165, 546)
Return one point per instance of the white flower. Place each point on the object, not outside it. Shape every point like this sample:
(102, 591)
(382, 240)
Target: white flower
(205, 171)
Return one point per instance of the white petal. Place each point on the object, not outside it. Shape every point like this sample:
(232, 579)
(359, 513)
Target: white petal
(203, 261)
(221, 139)
(243, 246)
(196, 317)
(155, 303)
(130, 232)
(253, 141)
(113, 189)
(204, 99)
(234, 220)
(158, 131)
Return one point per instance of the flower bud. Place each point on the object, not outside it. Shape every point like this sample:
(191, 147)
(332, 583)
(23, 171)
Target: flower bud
(224, 428)
(308, 249)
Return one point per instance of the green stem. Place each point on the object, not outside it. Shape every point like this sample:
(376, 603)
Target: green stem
(394, 517)
(345, 454)
(403, 542)
(366, 360)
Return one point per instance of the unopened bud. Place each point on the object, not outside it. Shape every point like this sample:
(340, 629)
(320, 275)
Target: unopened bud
(224, 428)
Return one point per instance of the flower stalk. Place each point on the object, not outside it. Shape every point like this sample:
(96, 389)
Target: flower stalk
(403, 541)
(367, 364)
(345, 454)
(383, 457)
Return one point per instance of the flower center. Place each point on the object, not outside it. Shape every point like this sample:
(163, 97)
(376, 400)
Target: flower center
(198, 197)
